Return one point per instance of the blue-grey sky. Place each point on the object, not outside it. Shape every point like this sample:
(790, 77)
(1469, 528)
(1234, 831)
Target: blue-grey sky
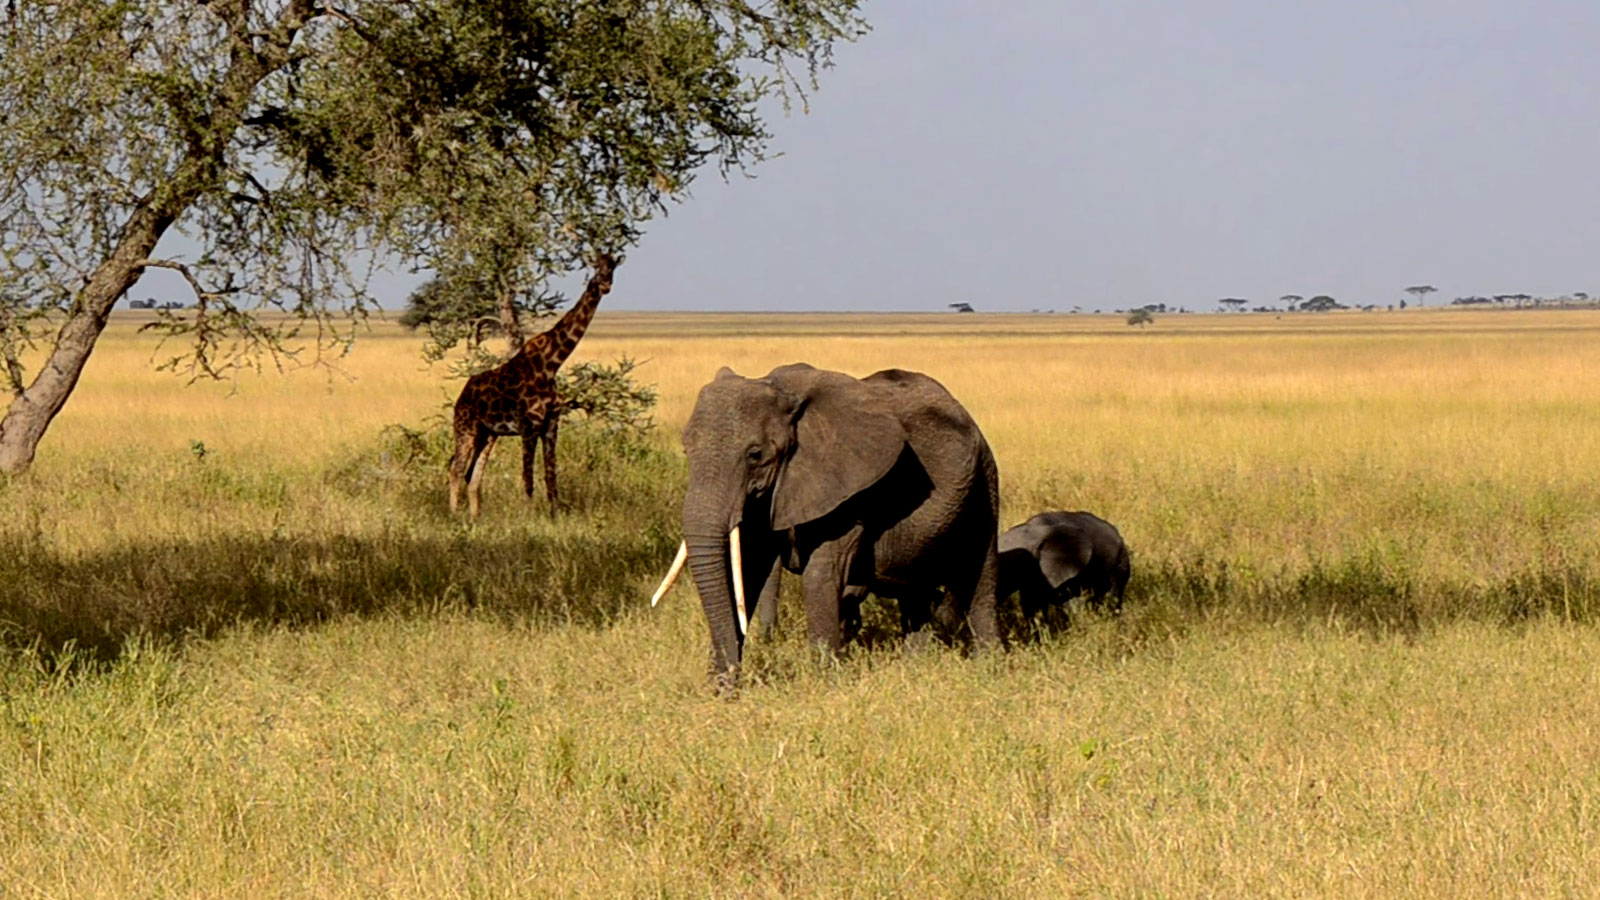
(1110, 153)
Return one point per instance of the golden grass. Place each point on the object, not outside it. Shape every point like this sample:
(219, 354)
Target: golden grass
(1355, 662)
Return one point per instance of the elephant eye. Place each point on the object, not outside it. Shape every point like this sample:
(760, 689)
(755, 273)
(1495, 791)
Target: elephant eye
(753, 454)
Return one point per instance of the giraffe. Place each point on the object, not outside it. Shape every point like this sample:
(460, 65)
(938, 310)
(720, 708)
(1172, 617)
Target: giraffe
(519, 397)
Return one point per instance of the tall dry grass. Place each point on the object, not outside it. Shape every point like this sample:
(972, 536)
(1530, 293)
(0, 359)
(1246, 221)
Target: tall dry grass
(245, 650)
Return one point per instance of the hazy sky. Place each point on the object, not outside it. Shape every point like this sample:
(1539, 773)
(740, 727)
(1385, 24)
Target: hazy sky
(1110, 153)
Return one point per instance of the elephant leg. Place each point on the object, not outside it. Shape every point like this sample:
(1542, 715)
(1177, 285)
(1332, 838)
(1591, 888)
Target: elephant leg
(918, 610)
(824, 577)
(767, 603)
(1114, 598)
(1119, 583)
(1055, 608)
(978, 597)
(1033, 599)
(850, 614)
(1098, 592)
(949, 615)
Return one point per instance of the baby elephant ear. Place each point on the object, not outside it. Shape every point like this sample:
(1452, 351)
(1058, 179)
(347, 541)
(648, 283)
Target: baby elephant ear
(1061, 558)
(845, 441)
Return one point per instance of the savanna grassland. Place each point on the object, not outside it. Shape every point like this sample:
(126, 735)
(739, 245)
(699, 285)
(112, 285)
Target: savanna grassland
(244, 651)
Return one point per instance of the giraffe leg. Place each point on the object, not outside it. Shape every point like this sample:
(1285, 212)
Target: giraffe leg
(548, 437)
(530, 445)
(482, 445)
(461, 462)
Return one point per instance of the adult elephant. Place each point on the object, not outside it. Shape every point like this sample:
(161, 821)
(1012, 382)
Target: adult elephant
(881, 484)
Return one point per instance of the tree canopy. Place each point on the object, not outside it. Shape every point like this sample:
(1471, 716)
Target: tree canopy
(1421, 291)
(295, 145)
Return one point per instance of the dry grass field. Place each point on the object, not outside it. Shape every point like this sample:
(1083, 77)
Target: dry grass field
(244, 651)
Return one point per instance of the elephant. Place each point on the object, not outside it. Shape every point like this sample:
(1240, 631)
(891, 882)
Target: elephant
(881, 484)
(1055, 556)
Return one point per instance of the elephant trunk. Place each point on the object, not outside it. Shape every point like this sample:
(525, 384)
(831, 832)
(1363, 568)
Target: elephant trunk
(708, 566)
(707, 528)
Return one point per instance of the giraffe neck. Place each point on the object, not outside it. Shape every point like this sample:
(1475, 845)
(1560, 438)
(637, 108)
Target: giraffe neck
(554, 345)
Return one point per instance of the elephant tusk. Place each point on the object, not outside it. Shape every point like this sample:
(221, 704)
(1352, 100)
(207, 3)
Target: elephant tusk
(672, 573)
(738, 578)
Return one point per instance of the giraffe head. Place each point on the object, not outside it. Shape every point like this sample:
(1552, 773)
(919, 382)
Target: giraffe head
(604, 265)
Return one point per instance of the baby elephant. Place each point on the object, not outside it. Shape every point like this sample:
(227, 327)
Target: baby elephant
(1055, 556)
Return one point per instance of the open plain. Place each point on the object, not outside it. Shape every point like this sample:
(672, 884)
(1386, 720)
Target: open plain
(246, 651)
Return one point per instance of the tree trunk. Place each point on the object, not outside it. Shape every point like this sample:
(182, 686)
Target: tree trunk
(32, 411)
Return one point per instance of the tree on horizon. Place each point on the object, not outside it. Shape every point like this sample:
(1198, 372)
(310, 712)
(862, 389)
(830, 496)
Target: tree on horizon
(1421, 292)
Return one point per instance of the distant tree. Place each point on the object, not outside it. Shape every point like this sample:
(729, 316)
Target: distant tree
(962, 307)
(1140, 317)
(1233, 303)
(1292, 301)
(1579, 295)
(1421, 291)
(1322, 303)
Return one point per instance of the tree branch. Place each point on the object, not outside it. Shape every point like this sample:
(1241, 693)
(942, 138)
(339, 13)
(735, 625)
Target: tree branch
(201, 294)
(8, 354)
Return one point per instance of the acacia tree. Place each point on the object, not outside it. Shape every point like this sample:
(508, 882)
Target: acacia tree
(293, 143)
(1421, 292)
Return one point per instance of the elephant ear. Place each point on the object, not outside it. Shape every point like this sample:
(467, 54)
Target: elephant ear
(1061, 558)
(846, 438)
